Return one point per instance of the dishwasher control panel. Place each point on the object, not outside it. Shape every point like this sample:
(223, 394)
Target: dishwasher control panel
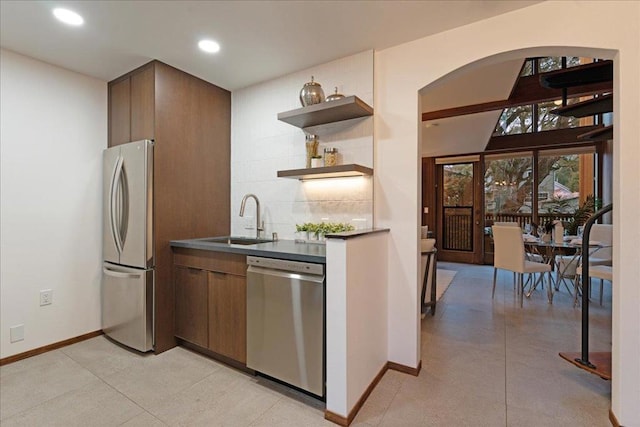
(286, 265)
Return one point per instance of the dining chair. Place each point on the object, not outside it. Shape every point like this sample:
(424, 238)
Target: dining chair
(566, 268)
(530, 256)
(509, 254)
(602, 272)
(602, 256)
(602, 233)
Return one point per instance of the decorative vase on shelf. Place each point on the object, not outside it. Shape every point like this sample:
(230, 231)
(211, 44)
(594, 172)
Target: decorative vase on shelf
(311, 142)
(311, 93)
(335, 96)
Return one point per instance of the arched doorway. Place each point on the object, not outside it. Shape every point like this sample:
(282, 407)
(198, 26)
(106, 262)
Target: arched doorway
(411, 67)
(520, 157)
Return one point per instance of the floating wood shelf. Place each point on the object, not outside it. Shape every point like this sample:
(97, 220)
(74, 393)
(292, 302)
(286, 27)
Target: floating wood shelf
(602, 104)
(339, 171)
(350, 107)
(595, 72)
(601, 134)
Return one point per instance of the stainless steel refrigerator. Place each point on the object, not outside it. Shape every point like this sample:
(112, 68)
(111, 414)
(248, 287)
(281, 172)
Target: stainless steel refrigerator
(128, 245)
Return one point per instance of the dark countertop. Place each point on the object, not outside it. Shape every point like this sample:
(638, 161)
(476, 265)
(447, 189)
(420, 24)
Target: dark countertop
(282, 249)
(356, 233)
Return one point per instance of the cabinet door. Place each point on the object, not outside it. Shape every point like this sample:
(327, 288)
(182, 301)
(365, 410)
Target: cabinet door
(191, 315)
(142, 104)
(119, 112)
(228, 315)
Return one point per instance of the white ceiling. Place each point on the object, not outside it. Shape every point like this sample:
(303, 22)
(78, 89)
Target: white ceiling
(469, 133)
(260, 40)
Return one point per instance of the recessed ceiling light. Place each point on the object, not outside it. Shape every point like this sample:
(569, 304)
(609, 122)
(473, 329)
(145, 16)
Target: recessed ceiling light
(68, 16)
(209, 46)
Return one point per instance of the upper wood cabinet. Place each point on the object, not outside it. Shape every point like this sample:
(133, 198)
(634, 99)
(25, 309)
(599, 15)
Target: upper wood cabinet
(142, 104)
(190, 121)
(119, 112)
(132, 106)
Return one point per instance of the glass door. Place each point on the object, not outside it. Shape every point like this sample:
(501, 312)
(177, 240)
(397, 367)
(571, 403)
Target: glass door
(459, 237)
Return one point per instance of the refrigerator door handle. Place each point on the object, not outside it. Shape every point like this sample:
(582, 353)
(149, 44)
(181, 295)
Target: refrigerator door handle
(114, 208)
(123, 205)
(114, 273)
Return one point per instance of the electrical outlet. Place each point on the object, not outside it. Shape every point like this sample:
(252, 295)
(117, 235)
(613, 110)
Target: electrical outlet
(16, 333)
(46, 297)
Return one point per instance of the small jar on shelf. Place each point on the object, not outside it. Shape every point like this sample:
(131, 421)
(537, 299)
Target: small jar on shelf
(316, 162)
(330, 156)
(311, 142)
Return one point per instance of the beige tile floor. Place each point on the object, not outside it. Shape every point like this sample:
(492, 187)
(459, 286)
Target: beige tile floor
(485, 363)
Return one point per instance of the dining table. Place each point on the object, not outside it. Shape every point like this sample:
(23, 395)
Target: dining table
(549, 250)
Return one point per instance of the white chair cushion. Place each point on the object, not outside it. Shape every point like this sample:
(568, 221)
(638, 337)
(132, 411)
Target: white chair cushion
(536, 267)
(601, 272)
(427, 245)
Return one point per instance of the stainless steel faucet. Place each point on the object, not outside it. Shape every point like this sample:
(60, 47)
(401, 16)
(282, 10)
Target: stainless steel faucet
(259, 224)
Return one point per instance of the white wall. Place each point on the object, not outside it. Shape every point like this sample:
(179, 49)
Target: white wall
(403, 70)
(356, 298)
(261, 145)
(53, 129)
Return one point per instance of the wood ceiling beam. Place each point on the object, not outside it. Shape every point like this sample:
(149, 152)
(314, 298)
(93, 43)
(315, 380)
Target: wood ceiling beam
(527, 91)
(560, 138)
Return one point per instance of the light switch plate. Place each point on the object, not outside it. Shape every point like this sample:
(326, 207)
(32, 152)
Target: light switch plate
(16, 333)
(46, 297)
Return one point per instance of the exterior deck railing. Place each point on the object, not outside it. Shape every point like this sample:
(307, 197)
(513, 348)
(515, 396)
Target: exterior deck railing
(523, 218)
(457, 232)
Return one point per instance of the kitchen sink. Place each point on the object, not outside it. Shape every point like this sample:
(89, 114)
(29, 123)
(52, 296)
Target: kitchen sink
(231, 240)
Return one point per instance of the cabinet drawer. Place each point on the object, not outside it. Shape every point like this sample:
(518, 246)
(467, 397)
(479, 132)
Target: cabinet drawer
(211, 261)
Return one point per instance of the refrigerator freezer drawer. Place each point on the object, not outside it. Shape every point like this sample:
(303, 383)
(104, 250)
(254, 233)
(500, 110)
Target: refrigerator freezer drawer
(127, 305)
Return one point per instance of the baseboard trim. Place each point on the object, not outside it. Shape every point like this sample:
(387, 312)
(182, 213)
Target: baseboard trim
(613, 419)
(346, 421)
(406, 369)
(335, 418)
(339, 419)
(46, 348)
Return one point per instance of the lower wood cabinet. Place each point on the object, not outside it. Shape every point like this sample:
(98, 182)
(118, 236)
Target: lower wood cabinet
(192, 318)
(228, 315)
(211, 306)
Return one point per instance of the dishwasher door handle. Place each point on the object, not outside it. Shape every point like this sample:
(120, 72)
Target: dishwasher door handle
(286, 274)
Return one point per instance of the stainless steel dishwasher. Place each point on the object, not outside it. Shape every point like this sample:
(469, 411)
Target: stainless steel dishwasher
(285, 321)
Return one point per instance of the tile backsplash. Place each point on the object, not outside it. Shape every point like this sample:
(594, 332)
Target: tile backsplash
(261, 145)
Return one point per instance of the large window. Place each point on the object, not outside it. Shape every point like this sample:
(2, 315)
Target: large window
(566, 178)
(549, 121)
(508, 182)
(515, 120)
(565, 181)
(538, 117)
